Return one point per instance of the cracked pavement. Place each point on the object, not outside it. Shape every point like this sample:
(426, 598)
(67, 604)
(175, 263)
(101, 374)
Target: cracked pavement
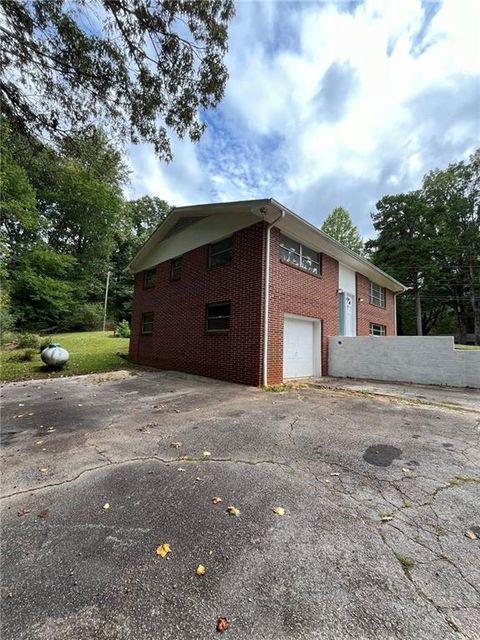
(379, 492)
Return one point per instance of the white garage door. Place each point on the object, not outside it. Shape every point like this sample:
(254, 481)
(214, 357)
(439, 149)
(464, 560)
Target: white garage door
(298, 348)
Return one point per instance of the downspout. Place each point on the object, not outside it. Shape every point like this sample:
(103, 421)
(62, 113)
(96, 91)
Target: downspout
(266, 299)
(395, 311)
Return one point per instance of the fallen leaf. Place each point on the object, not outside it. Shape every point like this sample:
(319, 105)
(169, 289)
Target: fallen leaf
(23, 511)
(177, 410)
(206, 454)
(163, 549)
(180, 469)
(20, 415)
(50, 429)
(216, 500)
(44, 513)
(471, 534)
(386, 518)
(334, 474)
(233, 511)
(184, 457)
(406, 470)
(176, 445)
(20, 404)
(199, 479)
(39, 442)
(80, 405)
(30, 414)
(200, 570)
(222, 625)
(44, 469)
(280, 511)
(106, 506)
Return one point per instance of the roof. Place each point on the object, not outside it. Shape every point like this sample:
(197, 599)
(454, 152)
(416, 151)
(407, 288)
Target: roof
(227, 217)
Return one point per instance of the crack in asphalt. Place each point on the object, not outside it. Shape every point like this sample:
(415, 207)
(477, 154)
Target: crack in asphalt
(142, 459)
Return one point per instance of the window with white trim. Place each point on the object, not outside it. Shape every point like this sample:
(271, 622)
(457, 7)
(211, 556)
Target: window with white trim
(218, 317)
(299, 255)
(377, 329)
(377, 295)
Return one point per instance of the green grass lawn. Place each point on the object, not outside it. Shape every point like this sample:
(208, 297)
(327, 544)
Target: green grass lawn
(466, 346)
(90, 351)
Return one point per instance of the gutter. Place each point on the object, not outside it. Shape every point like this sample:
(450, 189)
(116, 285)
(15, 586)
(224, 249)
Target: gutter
(266, 299)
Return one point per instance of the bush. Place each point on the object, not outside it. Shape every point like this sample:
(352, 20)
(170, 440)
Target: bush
(87, 316)
(7, 337)
(27, 356)
(122, 330)
(45, 342)
(28, 341)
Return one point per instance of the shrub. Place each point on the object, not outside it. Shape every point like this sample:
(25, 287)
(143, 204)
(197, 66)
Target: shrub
(25, 356)
(45, 342)
(28, 341)
(7, 337)
(122, 330)
(85, 317)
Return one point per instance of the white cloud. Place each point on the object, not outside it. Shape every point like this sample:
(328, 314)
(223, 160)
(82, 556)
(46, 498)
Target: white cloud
(329, 106)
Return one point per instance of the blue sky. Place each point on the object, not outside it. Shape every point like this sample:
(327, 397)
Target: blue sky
(331, 103)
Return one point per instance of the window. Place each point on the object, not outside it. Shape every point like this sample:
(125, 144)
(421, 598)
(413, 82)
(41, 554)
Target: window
(176, 268)
(377, 295)
(377, 330)
(147, 323)
(220, 253)
(149, 278)
(218, 317)
(297, 254)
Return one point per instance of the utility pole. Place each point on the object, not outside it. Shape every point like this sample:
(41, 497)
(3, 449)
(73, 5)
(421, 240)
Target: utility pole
(106, 299)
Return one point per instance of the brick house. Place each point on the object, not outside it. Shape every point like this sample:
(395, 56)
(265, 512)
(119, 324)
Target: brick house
(249, 292)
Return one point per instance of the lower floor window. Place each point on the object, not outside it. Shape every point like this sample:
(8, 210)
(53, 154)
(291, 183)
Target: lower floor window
(377, 330)
(218, 317)
(147, 323)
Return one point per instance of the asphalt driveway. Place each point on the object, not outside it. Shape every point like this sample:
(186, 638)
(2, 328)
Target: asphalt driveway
(378, 539)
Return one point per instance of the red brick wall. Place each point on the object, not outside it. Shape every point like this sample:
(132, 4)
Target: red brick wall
(367, 313)
(179, 339)
(295, 291)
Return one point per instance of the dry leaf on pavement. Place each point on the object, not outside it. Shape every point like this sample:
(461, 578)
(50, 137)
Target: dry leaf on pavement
(163, 549)
(216, 500)
(386, 518)
(280, 511)
(222, 625)
(206, 454)
(176, 445)
(471, 534)
(106, 506)
(233, 511)
(23, 511)
(44, 513)
(200, 570)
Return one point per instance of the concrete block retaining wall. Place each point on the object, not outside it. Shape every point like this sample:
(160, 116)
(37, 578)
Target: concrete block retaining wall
(424, 360)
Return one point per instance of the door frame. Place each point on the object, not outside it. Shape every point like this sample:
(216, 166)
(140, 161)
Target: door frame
(316, 346)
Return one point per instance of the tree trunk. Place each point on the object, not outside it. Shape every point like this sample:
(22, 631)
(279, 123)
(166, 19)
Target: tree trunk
(418, 310)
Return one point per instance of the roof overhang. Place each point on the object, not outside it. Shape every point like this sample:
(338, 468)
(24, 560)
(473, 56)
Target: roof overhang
(251, 211)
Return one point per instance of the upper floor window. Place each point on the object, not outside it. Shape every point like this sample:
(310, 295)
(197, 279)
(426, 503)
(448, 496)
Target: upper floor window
(299, 255)
(220, 252)
(176, 268)
(377, 329)
(377, 295)
(149, 277)
(218, 317)
(147, 323)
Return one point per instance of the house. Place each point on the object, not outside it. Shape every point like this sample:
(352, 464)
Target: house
(250, 292)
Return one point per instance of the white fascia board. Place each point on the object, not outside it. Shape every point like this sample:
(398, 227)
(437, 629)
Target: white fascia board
(250, 209)
(208, 229)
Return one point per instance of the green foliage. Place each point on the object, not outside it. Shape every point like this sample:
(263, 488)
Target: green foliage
(26, 356)
(45, 342)
(145, 66)
(122, 330)
(88, 315)
(27, 340)
(339, 226)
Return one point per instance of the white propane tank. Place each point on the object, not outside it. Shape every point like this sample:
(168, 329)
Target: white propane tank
(54, 355)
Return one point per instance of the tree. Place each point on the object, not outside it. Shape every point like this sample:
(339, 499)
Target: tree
(455, 195)
(136, 68)
(141, 218)
(404, 246)
(339, 225)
